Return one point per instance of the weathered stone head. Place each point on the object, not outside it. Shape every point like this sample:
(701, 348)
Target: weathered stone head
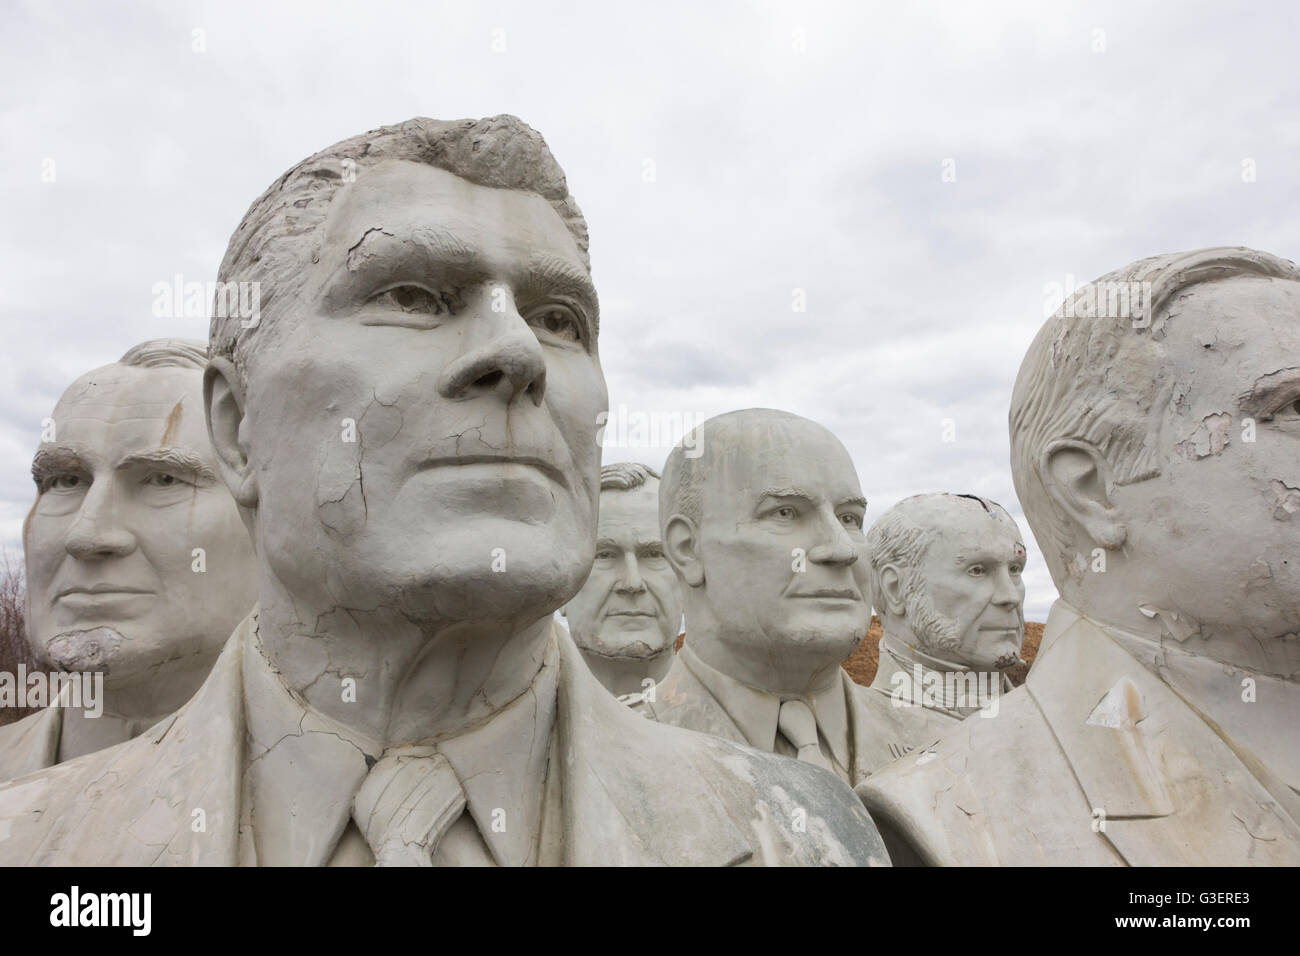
(763, 529)
(628, 614)
(1154, 450)
(945, 579)
(137, 562)
(410, 424)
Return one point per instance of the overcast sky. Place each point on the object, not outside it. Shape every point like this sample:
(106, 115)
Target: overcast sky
(923, 173)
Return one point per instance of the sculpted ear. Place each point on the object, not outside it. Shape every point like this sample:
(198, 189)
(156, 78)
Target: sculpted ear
(223, 402)
(891, 591)
(1076, 477)
(681, 547)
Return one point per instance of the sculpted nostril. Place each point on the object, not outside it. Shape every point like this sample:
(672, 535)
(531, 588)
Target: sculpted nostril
(490, 380)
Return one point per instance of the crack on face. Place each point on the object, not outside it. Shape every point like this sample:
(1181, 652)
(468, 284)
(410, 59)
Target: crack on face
(1286, 499)
(1208, 438)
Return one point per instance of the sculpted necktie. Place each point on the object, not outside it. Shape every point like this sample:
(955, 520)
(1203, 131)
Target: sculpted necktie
(406, 804)
(797, 723)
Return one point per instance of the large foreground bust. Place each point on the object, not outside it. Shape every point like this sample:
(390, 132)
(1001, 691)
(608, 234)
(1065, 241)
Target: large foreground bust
(410, 431)
(1155, 453)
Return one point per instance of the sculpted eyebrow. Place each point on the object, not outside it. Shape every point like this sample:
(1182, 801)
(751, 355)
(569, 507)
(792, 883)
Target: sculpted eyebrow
(1278, 387)
(857, 500)
(547, 273)
(51, 461)
(176, 459)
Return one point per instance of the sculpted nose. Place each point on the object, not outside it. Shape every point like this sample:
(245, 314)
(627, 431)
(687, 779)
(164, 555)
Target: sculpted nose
(630, 582)
(1007, 591)
(97, 533)
(839, 549)
(510, 365)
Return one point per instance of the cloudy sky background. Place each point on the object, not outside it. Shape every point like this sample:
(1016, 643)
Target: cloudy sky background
(791, 147)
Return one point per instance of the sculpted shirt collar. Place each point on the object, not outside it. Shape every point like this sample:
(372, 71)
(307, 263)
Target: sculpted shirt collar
(905, 657)
(303, 769)
(755, 711)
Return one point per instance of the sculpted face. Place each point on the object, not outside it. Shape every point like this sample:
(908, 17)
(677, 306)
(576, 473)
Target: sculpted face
(422, 419)
(125, 493)
(1220, 521)
(630, 607)
(967, 606)
(780, 497)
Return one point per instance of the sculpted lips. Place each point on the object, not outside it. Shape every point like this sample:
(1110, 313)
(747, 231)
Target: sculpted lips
(545, 467)
(843, 594)
(99, 589)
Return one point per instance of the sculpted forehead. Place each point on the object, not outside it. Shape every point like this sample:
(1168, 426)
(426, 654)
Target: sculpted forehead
(460, 220)
(1247, 325)
(968, 536)
(119, 408)
(633, 509)
(762, 453)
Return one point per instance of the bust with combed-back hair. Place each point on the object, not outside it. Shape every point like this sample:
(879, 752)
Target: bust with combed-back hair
(137, 564)
(764, 530)
(946, 582)
(626, 618)
(409, 426)
(1153, 450)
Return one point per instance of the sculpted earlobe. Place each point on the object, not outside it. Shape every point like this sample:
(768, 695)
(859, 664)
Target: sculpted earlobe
(1077, 478)
(223, 402)
(891, 588)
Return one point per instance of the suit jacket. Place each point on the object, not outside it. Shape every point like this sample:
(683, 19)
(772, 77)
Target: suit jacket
(633, 792)
(879, 733)
(1094, 761)
(30, 744)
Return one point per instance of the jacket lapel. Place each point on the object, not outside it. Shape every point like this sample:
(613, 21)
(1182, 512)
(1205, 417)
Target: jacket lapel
(1169, 787)
(633, 792)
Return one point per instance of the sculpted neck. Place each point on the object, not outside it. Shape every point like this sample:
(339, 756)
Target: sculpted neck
(622, 675)
(131, 707)
(1157, 619)
(409, 681)
(901, 643)
(775, 666)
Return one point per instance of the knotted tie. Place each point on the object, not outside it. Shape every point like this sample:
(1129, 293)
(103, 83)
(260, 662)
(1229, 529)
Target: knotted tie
(797, 723)
(406, 804)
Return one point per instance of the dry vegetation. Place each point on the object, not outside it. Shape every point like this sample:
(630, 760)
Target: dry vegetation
(13, 636)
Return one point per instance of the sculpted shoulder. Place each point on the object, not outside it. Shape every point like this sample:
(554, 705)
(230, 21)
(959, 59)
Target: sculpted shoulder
(795, 814)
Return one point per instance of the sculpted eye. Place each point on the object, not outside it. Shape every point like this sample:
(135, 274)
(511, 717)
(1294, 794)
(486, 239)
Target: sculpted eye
(605, 555)
(976, 570)
(163, 479)
(1287, 413)
(65, 483)
(413, 299)
(785, 513)
(851, 521)
(557, 321)
(1016, 569)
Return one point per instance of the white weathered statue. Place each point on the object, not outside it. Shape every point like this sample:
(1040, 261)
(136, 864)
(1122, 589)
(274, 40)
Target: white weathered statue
(764, 530)
(628, 615)
(945, 580)
(1154, 428)
(409, 426)
(138, 565)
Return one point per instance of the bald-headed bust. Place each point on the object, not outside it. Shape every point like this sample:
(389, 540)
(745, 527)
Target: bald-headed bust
(627, 616)
(1153, 447)
(946, 581)
(138, 565)
(764, 530)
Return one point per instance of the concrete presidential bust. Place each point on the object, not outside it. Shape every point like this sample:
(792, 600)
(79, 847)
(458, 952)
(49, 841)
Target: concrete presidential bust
(764, 529)
(946, 581)
(138, 566)
(627, 617)
(1154, 452)
(409, 429)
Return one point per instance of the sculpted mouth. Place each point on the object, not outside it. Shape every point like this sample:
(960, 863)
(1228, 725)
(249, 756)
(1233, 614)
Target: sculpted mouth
(545, 467)
(630, 614)
(100, 589)
(843, 594)
(1007, 628)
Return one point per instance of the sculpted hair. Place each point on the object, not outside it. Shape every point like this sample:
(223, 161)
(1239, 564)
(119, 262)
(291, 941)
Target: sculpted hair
(625, 475)
(167, 353)
(278, 238)
(1103, 379)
